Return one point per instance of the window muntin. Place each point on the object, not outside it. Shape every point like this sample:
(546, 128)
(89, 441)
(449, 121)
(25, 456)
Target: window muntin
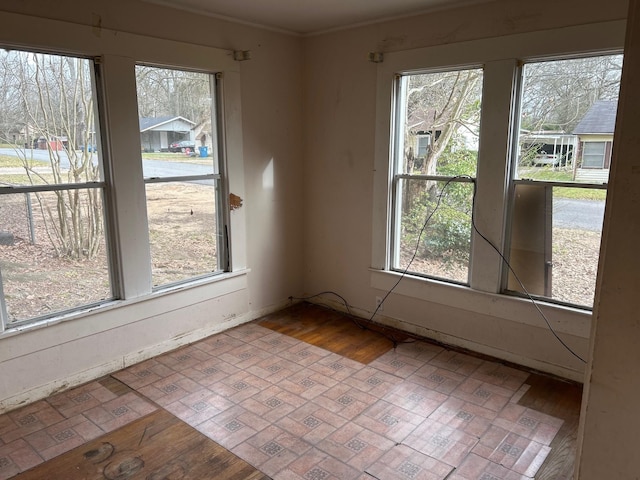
(181, 166)
(555, 227)
(435, 156)
(53, 256)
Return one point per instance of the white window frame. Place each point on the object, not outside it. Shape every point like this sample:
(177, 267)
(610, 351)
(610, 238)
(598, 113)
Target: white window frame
(116, 54)
(217, 175)
(102, 185)
(398, 175)
(501, 58)
(423, 143)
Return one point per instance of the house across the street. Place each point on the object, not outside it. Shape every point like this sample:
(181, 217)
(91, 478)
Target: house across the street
(595, 141)
(157, 133)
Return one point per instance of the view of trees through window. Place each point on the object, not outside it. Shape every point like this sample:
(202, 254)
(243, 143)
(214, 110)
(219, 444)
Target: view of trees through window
(564, 142)
(180, 165)
(436, 153)
(568, 111)
(54, 253)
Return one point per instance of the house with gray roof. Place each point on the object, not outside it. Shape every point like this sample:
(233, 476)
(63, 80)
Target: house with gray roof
(157, 133)
(595, 141)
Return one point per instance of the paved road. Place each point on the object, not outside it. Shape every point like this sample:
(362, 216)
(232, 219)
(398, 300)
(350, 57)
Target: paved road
(579, 214)
(150, 168)
(567, 213)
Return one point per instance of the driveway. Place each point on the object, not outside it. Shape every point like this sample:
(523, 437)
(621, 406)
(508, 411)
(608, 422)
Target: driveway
(578, 214)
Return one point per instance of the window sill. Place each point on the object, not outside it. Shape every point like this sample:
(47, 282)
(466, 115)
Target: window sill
(212, 287)
(563, 319)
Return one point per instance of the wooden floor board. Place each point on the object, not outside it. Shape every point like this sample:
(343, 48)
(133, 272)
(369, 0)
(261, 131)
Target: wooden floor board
(332, 331)
(560, 399)
(156, 447)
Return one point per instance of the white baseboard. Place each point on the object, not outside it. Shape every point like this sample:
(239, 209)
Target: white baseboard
(98, 371)
(445, 339)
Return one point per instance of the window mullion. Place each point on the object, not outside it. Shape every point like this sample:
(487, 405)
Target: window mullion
(130, 233)
(493, 173)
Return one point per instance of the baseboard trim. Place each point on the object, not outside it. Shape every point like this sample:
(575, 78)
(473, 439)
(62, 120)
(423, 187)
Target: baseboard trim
(106, 368)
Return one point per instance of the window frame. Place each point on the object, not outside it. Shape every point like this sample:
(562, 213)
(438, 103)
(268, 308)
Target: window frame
(601, 156)
(102, 186)
(218, 176)
(501, 58)
(549, 185)
(398, 176)
(115, 55)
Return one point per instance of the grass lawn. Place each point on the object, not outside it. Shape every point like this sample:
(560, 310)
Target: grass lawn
(9, 161)
(23, 179)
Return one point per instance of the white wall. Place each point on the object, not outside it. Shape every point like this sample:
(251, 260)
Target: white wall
(37, 361)
(610, 421)
(340, 132)
(308, 126)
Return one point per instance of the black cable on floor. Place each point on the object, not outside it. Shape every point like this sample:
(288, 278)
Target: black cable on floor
(415, 253)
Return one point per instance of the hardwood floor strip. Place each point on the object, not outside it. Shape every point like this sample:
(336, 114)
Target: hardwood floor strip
(562, 400)
(330, 330)
(156, 447)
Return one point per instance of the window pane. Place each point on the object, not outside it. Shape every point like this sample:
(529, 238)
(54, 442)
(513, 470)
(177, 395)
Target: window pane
(593, 154)
(564, 103)
(182, 230)
(179, 138)
(53, 255)
(568, 111)
(52, 252)
(48, 130)
(177, 129)
(443, 248)
(440, 117)
(556, 241)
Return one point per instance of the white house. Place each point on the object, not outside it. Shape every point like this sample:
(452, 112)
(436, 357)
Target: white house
(157, 133)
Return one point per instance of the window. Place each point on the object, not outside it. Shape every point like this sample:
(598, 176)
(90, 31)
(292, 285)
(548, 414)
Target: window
(181, 166)
(515, 162)
(53, 247)
(593, 154)
(435, 157)
(423, 144)
(557, 214)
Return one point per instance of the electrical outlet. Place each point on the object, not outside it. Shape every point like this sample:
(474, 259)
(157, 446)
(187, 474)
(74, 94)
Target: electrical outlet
(379, 304)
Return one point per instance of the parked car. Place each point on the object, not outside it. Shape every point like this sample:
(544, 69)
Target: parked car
(546, 159)
(89, 148)
(182, 146)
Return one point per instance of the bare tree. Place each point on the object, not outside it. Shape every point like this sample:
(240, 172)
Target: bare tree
(443, 107)
(558, 93)
(163, 91)
(56, 102)
(442, 104)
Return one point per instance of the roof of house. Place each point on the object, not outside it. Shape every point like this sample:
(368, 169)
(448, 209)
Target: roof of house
(148, 123)
(600, 118)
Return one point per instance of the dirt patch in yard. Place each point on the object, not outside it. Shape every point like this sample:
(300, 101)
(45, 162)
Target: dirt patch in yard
(38, 282)
(575, 265)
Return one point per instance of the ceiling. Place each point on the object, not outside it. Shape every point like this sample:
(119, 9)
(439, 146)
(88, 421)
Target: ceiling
(306, 17)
